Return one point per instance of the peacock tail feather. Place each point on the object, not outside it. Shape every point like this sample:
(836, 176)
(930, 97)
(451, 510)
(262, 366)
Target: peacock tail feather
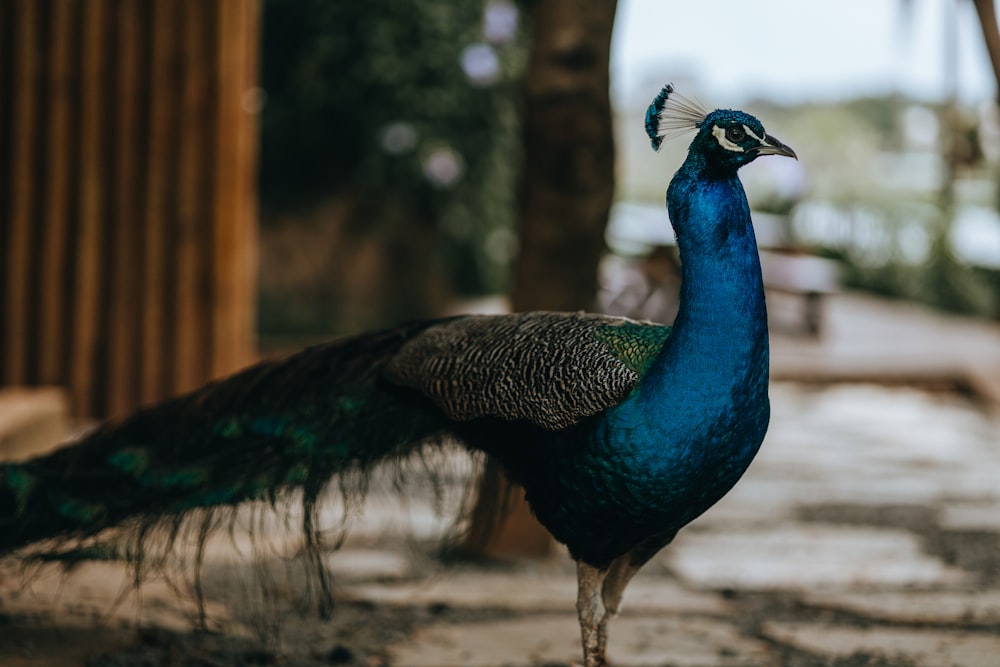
(330, 413)
(276, 427)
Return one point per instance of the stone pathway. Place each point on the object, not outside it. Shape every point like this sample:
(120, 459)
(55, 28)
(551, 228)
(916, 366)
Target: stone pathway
(866, 534)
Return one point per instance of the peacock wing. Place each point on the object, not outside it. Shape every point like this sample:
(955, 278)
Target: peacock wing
(552, 369)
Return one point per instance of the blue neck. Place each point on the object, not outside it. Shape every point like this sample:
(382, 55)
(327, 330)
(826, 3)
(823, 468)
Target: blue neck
(703, 403)
(721, 326)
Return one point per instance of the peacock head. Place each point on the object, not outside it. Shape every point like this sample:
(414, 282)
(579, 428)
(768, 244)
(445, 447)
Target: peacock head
(727, 139)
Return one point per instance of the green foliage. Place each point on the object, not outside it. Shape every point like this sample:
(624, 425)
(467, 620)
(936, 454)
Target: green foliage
(875, 199)
(364, 99)
(882, 114)
(900, 249)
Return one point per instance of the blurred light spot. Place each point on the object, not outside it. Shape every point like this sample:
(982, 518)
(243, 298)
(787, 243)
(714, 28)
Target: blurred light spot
(920, 128)
(481, 64)
(254, 100)
(914, 244)
(443, 167)
(399, 138)
(500, 21)
(500, 245)
(975, 236)
(915, 171)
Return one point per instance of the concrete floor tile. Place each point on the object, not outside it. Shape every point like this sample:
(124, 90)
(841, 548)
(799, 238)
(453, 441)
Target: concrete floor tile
(805, 556)
(369, 564)
(532, 593)
(100, 593)
(972, 516)
(935, 607)
(633, 642)
(921, 647)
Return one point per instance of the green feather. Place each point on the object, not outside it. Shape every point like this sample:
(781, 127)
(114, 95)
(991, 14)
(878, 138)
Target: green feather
(22, 484)
(635, 344)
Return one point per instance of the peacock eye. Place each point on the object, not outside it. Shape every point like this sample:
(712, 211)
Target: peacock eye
(735, 134)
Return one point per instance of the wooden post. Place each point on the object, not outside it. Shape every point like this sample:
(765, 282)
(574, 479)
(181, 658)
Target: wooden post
(127, 220)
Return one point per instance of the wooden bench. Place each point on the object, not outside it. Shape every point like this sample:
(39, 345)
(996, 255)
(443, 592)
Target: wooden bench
(804, 275)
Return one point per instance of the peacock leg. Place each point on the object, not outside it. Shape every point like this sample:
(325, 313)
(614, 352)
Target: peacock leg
(593, 618)
(611, 586)
(624, 567)
(616, 578)
(618, 575)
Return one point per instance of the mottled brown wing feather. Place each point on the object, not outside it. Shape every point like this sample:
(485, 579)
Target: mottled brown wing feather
(552, 369)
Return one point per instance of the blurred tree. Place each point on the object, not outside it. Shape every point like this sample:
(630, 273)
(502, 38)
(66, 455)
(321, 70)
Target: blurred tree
(567, 185)
(946, 281)
(986, 11)
(389, 136)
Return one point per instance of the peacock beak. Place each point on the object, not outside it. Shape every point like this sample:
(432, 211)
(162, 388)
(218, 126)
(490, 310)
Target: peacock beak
(772, 146)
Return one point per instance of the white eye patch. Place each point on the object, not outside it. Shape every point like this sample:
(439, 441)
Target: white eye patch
(754, 134)
(720, 135)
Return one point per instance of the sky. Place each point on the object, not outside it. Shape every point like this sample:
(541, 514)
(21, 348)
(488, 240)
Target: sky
(798, 50)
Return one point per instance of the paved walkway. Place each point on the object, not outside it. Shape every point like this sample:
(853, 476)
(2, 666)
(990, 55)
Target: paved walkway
(869, 338)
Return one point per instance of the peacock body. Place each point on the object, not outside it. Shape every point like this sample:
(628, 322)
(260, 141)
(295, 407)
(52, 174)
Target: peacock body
(621, 432)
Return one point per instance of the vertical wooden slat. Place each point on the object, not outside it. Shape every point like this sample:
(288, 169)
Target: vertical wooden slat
(191, 319)
(22, 191)
(244, 319)
(226, 204)
(234, 208)
(55, 216)
(165, 42)
(91, 256)
(5, 177)
(123, 289)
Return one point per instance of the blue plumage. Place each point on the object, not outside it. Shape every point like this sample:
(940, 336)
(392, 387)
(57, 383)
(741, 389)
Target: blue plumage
(621, 432)
(653, 114)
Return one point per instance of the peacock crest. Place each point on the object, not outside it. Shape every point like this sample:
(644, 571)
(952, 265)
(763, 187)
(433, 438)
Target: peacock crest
(671, 115)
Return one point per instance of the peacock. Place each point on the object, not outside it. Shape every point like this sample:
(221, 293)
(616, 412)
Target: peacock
(621, 432)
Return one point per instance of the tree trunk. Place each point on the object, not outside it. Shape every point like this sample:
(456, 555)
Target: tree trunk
(566, 193)
(986, 11)
(569, 156)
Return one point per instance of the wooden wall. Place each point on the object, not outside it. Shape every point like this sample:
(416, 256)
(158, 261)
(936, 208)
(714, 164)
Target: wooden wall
(127, 218)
